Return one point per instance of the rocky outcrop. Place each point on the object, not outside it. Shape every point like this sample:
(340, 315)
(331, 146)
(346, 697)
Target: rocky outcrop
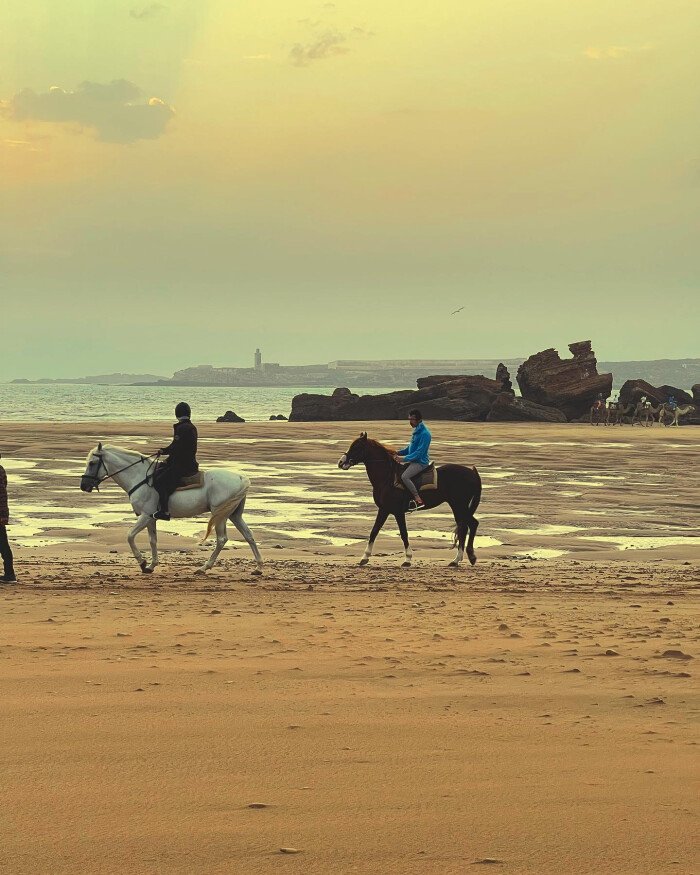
(507, 408)
(633, 390)
(569, 385)
(503, 377)
(230, 416)
(279, 417)
(467, 399)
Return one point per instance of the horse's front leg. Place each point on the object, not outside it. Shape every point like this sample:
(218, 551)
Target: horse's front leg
(153, 540)
(403, 531)
(382, 516)
(142, 522)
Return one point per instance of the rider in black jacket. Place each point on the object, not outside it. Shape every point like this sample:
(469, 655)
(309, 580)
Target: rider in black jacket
(182, 461)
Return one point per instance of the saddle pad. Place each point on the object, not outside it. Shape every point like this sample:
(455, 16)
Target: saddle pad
(194, 481)
(427, 479)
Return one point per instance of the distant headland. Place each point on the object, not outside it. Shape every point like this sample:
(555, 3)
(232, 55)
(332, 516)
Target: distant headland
(385, 373)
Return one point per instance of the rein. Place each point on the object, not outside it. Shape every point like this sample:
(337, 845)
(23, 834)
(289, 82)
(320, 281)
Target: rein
(102, 464)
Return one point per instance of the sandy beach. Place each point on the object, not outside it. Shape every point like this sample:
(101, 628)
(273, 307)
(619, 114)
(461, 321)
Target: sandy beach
(534, 713)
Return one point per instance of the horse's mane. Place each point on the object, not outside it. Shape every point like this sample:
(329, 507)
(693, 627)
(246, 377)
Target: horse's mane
(115, 447)
(381, 446)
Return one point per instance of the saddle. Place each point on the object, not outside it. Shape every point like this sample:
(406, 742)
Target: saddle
(193, 481)
(427, 479)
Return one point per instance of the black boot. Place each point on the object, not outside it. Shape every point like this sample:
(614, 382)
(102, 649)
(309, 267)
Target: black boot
(162, 512)
(9, 576)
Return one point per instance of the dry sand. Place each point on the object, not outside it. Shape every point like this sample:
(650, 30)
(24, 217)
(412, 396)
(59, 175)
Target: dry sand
(535, 712)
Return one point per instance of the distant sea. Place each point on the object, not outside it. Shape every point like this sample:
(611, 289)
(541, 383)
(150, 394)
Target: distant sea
(20, 402)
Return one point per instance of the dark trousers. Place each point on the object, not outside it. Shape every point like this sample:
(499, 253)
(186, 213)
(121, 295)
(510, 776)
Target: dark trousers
(166, 481)
(5, 551)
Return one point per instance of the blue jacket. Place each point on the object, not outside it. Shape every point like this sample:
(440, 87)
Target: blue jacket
(417, 450)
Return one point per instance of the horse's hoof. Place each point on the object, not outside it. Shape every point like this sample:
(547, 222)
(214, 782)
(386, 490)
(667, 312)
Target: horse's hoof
(453, 564)
(363, 561)
(257, 571)
(472, 558)
(202, 570)
(146, 569)
(406, 564)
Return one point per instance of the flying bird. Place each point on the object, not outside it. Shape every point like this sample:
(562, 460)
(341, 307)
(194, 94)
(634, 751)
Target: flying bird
(459, 310)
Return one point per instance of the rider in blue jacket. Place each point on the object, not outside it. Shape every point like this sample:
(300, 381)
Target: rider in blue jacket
(415, 456)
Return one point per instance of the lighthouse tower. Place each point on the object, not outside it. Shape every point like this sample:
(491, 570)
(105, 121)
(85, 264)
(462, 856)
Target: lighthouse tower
(258, 360)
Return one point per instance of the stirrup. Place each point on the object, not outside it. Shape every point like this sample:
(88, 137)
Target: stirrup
(413, 505)
(161, 515)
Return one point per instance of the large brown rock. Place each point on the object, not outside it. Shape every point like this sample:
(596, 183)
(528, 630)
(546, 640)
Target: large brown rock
(230, 416)
(464, 398)
(633, 390)
(570, 385)
(696, 394)
(507, 408)
(503, 377)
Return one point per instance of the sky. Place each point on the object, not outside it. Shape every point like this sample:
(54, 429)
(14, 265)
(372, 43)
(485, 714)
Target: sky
(183, 181)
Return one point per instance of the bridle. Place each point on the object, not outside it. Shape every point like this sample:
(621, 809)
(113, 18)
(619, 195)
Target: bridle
(352, 462)
(97, 480)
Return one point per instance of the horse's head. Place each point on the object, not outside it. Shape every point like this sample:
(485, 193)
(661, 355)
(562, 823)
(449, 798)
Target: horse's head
(356, 454)
(91, 479)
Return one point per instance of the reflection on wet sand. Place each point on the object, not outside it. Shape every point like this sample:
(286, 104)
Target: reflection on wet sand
(298, 496)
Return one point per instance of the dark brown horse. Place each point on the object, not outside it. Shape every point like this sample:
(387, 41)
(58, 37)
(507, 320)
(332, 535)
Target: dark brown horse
(458, 485)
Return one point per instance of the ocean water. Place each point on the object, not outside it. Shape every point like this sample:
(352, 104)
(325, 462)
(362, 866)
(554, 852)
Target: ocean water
(75, 403)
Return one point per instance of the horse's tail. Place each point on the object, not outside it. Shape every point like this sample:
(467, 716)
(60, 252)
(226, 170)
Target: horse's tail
(224, 511)
(472, 505)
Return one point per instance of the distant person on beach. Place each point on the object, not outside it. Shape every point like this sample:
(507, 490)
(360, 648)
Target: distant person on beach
(415, 456)
(182, 459)
(5, 551)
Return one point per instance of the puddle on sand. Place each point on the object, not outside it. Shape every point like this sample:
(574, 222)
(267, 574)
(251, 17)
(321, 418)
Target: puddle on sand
(482, 541)
(17, 464)
(547, 529)
(541, 553)
(314, 535)
(645, 542)
(586, 483)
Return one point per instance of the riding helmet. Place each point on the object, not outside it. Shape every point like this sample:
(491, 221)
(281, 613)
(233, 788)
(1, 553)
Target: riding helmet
(183, 409)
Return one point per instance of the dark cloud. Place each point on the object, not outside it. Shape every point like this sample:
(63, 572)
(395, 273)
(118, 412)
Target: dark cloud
(147, 11)
(327, 45)
(117, 111)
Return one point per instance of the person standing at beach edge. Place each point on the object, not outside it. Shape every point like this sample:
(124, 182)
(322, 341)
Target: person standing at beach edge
(5, 551)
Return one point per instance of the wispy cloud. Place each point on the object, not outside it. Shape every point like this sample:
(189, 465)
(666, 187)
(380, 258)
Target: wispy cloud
(603, 53)
(117, 111)
(146, 12)
(327, 45)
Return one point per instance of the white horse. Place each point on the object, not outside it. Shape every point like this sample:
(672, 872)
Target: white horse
(223, 493)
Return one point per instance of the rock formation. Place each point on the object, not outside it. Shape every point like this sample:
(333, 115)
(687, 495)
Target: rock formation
(508, 408)
(468, 399)
(570, 385)
(230, 416)
(503, 377)
(696, 394)
(633, 390)
(281, 417)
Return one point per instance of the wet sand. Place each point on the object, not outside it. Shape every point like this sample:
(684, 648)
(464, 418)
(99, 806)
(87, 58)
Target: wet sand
(537, 712)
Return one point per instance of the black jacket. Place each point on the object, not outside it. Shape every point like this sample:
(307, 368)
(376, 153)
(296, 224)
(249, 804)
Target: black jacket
(182, 452)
